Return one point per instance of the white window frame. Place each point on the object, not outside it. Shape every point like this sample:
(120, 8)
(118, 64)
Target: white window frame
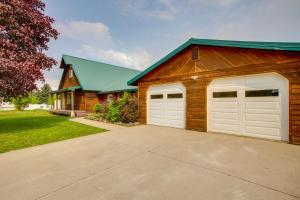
(70, 73)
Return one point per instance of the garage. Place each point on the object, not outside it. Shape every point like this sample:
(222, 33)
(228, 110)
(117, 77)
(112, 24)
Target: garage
(166, 105)
(254, 105)
(244, 88)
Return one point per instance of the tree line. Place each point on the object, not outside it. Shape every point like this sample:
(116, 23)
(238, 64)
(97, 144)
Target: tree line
(38, 96)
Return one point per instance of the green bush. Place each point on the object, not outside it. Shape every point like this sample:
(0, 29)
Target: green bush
(124, 109)
(129, 111)
(113, 113)
(21, 103)
(98, 108)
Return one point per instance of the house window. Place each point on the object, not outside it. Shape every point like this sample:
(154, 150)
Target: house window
(68, 98)
(175, 96)
(110, 97)
(228, 94)
(195, 53)
(156, 96)
(262, 93)
(70, 73)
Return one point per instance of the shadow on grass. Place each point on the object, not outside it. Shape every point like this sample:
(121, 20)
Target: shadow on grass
(15, 125)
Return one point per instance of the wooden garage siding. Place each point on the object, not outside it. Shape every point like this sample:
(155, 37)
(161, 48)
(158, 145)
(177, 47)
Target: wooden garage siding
(216, 62)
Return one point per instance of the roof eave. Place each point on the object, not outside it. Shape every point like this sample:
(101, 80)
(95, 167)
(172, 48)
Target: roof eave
(117, 91)
(134, 80)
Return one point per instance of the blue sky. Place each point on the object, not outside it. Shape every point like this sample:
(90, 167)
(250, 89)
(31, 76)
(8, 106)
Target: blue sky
(136, 33)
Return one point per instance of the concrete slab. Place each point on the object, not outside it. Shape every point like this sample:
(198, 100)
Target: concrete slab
(151, 162)
(98, 124)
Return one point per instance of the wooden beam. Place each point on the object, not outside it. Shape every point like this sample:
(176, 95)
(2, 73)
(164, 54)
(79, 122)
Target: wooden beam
(72, 100)
(72, 103)
(51, 101)
(56, 102)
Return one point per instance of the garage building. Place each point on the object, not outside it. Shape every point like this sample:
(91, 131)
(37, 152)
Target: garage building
(234, 87)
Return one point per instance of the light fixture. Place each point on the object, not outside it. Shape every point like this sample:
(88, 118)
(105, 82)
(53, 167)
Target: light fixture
(194, 77)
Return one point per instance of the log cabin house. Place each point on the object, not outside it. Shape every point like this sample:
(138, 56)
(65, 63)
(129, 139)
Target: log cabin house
(234, 87)
(85, 83)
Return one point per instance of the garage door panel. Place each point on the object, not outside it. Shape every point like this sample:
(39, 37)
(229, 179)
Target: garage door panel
(263, 124)
(224, 115)
(262, 117)
(225, 128)
(175, 113)
(263, 105)
(260, 111)
(225, 105)
(174, 106)
(226, 121)
(156, 110)
(262, 131)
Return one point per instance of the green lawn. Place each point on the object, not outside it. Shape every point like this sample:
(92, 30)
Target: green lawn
(30, 128)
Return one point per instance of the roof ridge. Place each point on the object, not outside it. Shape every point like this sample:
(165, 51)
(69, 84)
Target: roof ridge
(192, 39)
(100, 62)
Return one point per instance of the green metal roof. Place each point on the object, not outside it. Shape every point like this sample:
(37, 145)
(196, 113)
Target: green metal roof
(283, 46)
(101, 77)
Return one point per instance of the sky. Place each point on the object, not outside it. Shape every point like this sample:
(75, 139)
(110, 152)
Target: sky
(137, 33)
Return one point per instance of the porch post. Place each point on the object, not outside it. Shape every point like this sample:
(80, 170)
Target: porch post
(72, 103)
(51, 101)
(63, 101)
(56, 101)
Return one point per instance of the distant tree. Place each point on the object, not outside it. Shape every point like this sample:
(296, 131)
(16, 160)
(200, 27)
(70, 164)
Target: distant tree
(44, 93)
(33, 98)
(25, 32)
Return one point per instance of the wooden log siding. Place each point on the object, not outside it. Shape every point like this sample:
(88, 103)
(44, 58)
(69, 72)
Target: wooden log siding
(79, 100)
(69, 82)
(216, 62)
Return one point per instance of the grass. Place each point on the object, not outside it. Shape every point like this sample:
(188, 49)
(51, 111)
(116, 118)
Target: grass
(30, 128)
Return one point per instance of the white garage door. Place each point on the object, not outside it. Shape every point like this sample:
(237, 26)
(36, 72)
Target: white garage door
(255, 105)
(166, 105)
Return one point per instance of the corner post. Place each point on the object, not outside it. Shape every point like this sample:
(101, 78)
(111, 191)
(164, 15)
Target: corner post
(51, 101)
(72, 103)
(56, 101)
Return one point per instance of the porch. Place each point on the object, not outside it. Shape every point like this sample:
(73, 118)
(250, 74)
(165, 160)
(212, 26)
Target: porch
(68, 102)
(76, 113)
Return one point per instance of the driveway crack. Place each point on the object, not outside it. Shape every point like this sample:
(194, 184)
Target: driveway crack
(223, 173)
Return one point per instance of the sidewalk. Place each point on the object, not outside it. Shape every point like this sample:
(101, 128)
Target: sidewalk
(107, 126)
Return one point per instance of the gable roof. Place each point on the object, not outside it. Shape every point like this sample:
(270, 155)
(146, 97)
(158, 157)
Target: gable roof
(97, 76)
(283, 46)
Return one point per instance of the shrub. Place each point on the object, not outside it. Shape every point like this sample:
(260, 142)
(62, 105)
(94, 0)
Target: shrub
(113, 113)
(21, 103)
(98, 108)
(124, 109)
(129, 111)
(104, 109)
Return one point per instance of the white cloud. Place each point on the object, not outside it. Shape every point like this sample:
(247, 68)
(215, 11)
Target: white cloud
(216, 3)
(268, 21)
(137, 60)
(166, 9)
(160, 9)
(85, 31)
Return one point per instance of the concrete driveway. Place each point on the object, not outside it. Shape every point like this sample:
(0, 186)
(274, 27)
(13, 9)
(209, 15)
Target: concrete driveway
(149, 162)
